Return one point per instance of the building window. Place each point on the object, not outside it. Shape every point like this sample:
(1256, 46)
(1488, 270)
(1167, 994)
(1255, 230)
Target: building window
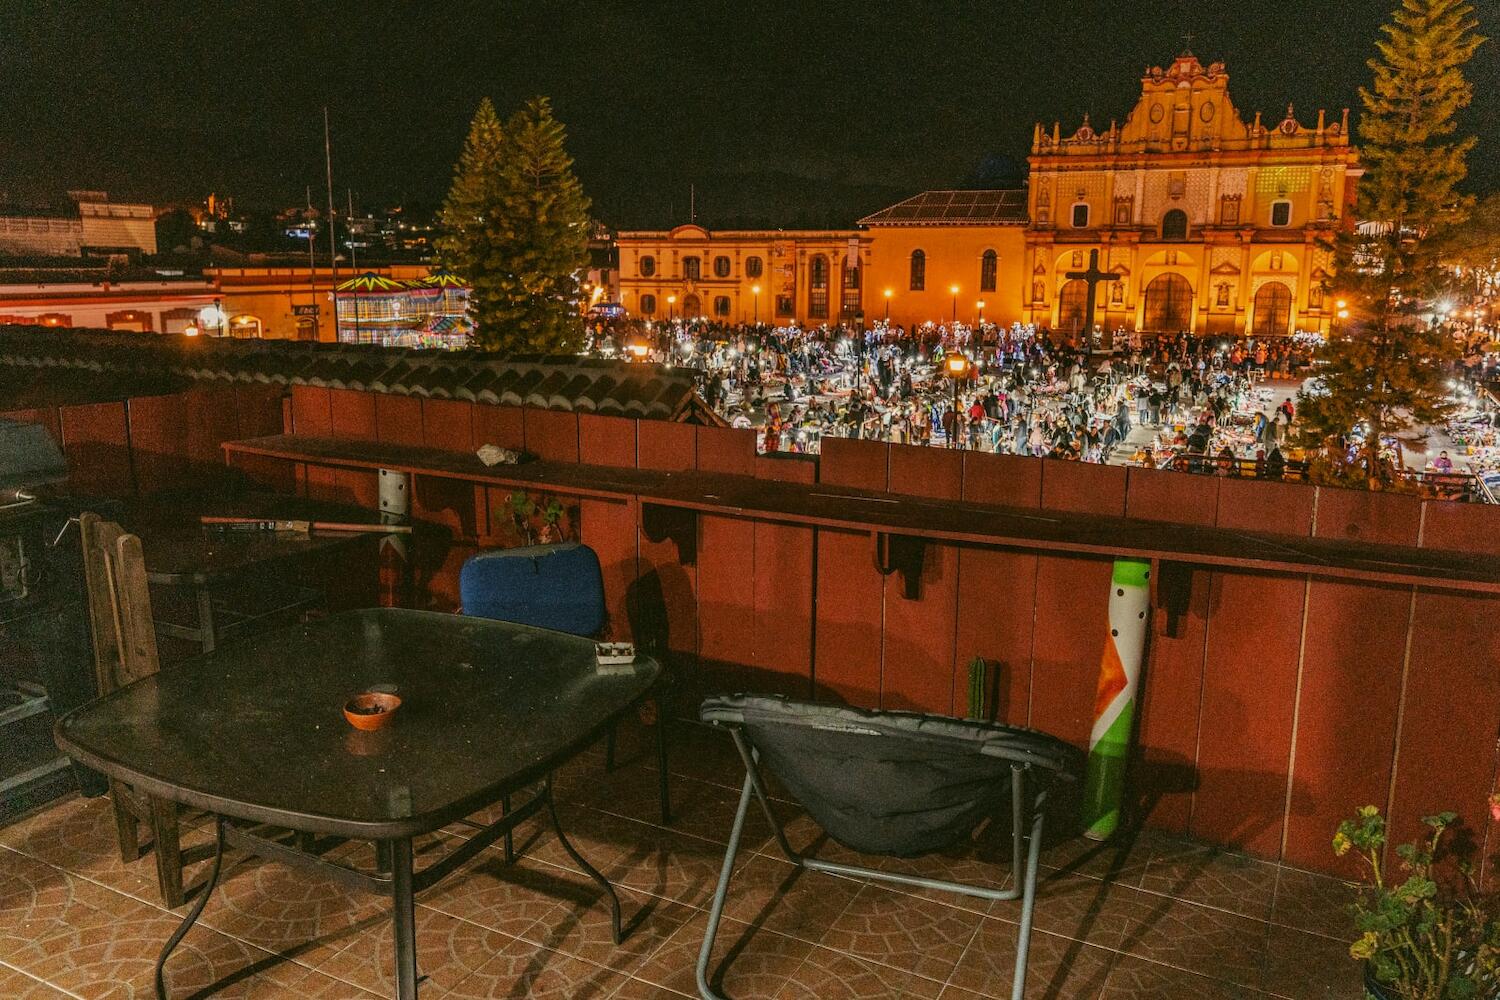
(1222, 300)
(648, 305)
(1174, 225)
(752, 267)
(1229, 211)
(988, 265)
(1315, 296)
(1080, 216)
(721, 304)
(918, 270)
(817, 291)
(850, 304)
(721, 267)
(785, 306)
(648, 266)
(1281, 213)
(692, 268)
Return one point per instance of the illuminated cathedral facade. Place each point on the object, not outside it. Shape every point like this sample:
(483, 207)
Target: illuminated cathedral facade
(1204, 222)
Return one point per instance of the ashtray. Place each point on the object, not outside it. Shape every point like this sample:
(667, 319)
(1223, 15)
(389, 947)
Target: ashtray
(371, 710)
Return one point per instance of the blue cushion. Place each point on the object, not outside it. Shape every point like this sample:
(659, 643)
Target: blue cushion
(549, 586)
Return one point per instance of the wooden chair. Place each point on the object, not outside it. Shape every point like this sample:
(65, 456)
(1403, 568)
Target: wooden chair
(125, 651)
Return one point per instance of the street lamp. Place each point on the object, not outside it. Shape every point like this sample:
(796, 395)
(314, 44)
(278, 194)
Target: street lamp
(981, 312)
(756, 290)
(954, 290)
(888, 294)
(671, 308)
(956, 367)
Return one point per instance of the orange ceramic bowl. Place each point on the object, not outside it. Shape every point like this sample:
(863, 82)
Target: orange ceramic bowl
(372, 710)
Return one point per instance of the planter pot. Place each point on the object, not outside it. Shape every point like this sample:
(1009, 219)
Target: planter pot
(1374, 989)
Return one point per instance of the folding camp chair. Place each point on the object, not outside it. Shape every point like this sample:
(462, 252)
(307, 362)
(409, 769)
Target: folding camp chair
(558, 586)
(896, 784)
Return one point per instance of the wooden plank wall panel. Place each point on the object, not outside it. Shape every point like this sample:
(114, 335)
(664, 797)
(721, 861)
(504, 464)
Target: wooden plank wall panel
(606, 440)
(781, 653)
(448, 424)
(1072, 620)
(551, 434)
(353, 413)
(667, 446)
(97, 444)
(1083, 487)
(1461, 527)
(608, 528)
(398, 419)
(726, 602)
(1248, 505)
(846, 657)
(1353, 656)
(849, 591)
(917, 670)
(1446, 758)
(1170, 703)
(1249, 694)
(158, 442)
(727, 450)
(211, 418)
(997, 589)
(312, 411)
(1156, 495)
(1367, 517)
(260, 410)
(1009, 480)
(782, 468)
(499, 425)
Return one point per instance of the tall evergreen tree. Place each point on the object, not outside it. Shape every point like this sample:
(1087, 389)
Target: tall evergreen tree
(1386, 368)
(516, 226)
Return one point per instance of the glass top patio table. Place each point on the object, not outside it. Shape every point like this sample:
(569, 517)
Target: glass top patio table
(255, 730)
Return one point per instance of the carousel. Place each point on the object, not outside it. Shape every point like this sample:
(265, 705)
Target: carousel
(430, 312)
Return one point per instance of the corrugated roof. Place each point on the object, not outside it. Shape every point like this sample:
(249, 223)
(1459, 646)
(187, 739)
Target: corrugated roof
(117, 359)
(955, 208)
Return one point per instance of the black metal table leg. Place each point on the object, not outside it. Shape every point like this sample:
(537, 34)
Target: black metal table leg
(193, 914)
(588, 869)
(403, 919)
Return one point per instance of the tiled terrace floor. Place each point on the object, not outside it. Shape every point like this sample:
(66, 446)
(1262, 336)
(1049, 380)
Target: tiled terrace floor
(1158, 918)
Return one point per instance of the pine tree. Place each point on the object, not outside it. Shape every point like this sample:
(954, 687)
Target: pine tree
(1385, 369)
(516, 226)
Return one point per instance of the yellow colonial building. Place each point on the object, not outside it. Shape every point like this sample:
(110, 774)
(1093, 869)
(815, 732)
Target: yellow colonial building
(1210, 223)
(774, 276)
(1205, 221)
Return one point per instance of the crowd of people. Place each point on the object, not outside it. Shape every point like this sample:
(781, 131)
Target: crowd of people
(1019, 390)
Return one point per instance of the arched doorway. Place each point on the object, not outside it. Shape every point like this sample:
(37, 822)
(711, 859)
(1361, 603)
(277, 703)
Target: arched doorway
(691, 307)
(1169, 304)
(1072, 303)
(1273, 310)
(1174, 225)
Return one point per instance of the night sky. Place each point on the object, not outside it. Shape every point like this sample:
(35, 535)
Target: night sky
(798, 113)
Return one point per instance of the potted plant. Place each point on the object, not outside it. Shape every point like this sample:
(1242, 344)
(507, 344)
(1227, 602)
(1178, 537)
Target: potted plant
(1426, 931)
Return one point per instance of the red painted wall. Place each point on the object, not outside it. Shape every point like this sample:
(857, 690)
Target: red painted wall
(1272, 706)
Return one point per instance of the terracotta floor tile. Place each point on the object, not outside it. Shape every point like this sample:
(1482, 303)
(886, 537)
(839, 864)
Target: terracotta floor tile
(16, 985)
(583, 929)
(639, 989)
(509, 898)
(905, 932)
(1058, 968)
(747, 962)
(1219, 879)
(833, 975)
(1082, 908)
(1309, 967)
(1197, 939)
(448, 950)
(1135, 979)
(781, 897)
(522, 970)
(1314, 903)
(667, 864)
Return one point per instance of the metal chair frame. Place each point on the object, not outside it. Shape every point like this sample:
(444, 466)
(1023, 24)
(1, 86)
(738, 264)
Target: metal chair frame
(1024, 876)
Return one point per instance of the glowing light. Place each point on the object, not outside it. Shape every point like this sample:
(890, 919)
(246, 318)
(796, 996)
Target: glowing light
(889, 293)
(191, 331)
(953, 289)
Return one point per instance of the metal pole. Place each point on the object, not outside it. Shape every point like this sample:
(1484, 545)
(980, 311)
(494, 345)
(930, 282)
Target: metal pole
(333, 252)
(312, 269)
(403, 920)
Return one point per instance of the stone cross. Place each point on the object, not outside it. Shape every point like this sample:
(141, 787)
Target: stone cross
(1092, 276)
